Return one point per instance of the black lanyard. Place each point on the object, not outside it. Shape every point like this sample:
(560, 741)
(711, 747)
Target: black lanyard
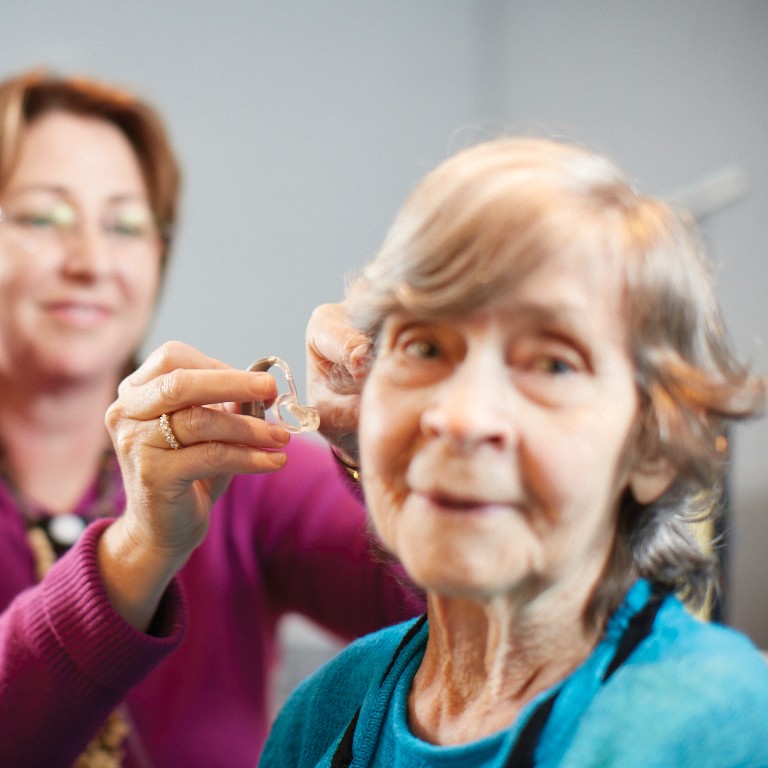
(523, 752)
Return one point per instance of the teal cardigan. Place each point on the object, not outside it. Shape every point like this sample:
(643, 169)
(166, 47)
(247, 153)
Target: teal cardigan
(681, 693)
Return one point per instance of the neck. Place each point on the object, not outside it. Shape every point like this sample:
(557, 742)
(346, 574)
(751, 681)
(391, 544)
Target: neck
(52, 442)
(485, 661)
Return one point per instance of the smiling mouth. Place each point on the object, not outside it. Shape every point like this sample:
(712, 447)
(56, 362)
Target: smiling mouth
(80, 314)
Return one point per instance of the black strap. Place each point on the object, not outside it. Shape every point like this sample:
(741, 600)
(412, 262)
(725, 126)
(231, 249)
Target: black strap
(409, 635)
(343, 756)
(639, 627)
(522, 753)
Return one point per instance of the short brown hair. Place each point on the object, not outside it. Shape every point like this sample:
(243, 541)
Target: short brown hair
(26, 97)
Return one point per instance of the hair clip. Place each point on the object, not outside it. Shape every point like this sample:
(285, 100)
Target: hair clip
(300, 418)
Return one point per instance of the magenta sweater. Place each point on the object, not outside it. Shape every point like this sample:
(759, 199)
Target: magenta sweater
(197, 688)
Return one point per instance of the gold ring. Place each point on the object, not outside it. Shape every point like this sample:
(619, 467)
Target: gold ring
(170, 438)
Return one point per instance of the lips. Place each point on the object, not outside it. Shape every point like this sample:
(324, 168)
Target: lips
(453, 502)
(461, 503)
(467, 485)
(79, 314)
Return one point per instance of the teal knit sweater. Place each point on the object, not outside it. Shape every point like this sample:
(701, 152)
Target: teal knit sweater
(688, 694)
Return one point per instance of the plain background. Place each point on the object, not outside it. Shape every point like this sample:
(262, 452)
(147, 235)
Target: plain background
(302, 126)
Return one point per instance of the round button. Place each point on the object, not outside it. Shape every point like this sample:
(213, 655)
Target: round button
(65, 530)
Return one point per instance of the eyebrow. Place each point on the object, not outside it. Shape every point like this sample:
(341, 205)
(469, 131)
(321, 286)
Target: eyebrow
(565, 315)
(41, 188)
(568, 321)
(66, 192)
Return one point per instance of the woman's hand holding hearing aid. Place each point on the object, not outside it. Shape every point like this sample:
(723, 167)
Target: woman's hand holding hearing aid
(180, 437)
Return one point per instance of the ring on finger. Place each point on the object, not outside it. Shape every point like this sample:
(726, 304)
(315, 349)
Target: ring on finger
(167, 430)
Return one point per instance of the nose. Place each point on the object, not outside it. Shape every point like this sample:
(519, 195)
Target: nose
(472, 407)
(86, 249)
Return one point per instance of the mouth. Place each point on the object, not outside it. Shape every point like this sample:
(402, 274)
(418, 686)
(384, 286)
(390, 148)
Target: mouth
(459, 503)
(79, 314)
(464, 487)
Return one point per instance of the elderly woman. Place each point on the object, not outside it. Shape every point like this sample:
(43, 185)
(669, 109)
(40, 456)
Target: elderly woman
(542, 416)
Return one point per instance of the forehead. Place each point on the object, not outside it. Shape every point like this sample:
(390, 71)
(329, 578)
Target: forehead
(59, 148)
(582, 281)
(577, 285)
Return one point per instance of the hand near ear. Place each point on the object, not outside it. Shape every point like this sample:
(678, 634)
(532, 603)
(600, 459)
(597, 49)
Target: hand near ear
(338, 357)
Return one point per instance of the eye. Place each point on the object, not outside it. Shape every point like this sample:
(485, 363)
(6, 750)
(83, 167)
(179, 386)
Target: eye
(34, 220)
(555, 366)
(134, 221)
(549, 355)
(58, 215)
(551, 369)
(420, 348)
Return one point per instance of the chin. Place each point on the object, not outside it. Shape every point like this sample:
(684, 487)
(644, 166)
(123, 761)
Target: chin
(83, 368)
(461, 584)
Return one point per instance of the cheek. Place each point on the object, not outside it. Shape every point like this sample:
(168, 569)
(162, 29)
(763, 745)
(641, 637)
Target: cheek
(378, 438)
(387, 440)
(390, 426)
(380, 424)
(19, 275)
(20, 285)
(142, 284)
(582, 467)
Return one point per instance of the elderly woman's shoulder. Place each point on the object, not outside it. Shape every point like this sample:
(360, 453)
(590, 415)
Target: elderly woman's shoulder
(322, 706)
(695, 664)
(702, 679)
(692, 693)
(355, 668)
(714, 649)
(369, 657)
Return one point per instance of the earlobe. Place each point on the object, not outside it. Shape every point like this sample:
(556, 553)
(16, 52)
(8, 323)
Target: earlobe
(651, 479)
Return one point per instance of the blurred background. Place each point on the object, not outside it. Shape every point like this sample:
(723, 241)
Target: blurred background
(302, 126)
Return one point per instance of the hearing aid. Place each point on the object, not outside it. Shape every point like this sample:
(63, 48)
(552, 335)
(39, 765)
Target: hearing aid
(290, 414)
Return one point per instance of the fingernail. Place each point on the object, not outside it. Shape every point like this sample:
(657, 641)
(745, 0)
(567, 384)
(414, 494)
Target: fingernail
(278, 459)
(278, 434)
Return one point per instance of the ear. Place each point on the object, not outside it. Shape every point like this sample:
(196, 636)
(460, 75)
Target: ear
(650, 479)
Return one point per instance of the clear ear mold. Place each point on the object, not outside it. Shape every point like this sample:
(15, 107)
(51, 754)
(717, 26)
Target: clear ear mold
(288, 411)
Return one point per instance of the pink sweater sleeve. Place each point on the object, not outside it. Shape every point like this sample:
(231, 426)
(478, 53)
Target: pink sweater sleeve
(67, 658)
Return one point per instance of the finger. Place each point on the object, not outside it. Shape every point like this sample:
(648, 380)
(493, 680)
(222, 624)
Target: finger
(212, 460)
(183, 388)
(337, 353)
(196, 425)
(360, 359)
(259, 448)
(170, 472)
(331, 336)
(169, 357)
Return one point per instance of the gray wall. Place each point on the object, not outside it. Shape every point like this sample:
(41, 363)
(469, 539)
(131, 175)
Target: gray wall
(302, 125)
